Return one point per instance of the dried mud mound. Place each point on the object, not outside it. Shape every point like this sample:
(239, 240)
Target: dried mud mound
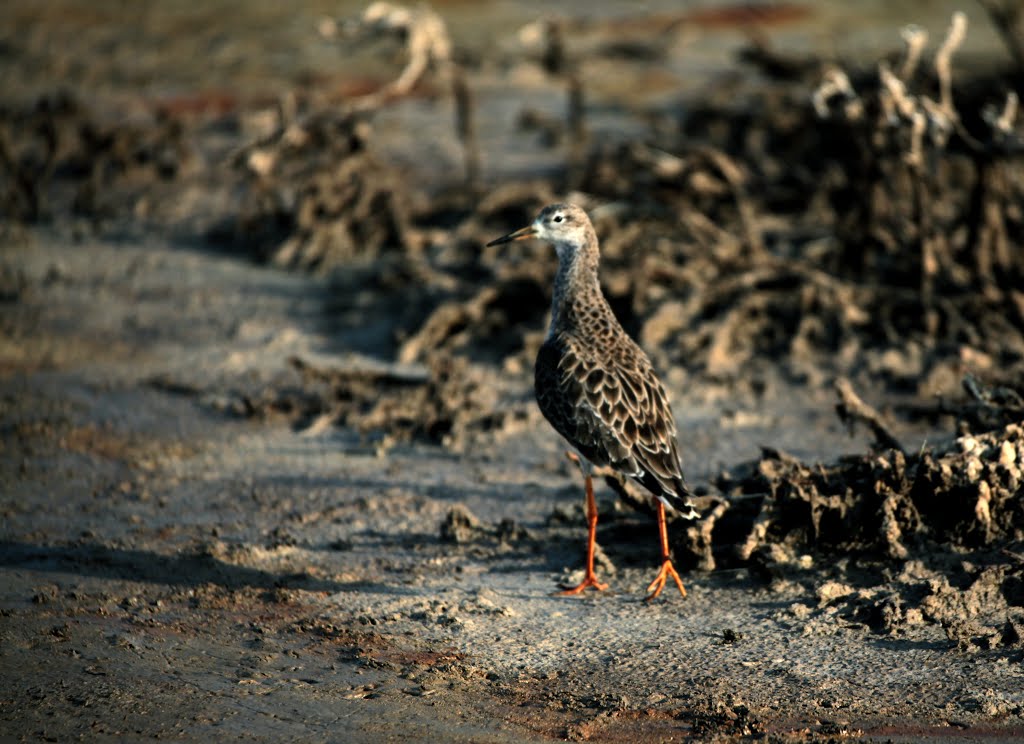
(891, 504)
(933, 536)
(314, 197)
(58, 156)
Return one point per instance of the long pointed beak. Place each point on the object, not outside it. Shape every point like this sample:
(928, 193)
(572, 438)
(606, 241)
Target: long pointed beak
(524, 233)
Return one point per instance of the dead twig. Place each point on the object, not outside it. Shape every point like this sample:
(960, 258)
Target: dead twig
(835, 83)
(915, 38)
(427, 45)
(994, 397)
(759, 529)
(465, 127)
(944, 62)
(736, 179)
(851, 409)
(890, 523)
(577, 131)
(23, 190)
(700, 536)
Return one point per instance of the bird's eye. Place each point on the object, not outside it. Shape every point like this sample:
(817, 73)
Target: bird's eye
(558, 218)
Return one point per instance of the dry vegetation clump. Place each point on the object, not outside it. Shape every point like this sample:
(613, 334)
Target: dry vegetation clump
(58, 156)
(864, 225)
(315, 198)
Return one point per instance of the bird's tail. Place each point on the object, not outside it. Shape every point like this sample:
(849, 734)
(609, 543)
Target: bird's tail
(679, 501)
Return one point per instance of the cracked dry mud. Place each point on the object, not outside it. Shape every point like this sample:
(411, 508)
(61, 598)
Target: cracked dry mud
(270, 466)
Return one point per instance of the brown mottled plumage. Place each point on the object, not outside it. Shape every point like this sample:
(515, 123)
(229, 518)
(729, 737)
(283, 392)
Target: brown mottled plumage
(597, 387)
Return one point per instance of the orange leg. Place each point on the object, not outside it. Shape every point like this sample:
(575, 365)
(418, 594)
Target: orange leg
(590, 578)
(666, 561)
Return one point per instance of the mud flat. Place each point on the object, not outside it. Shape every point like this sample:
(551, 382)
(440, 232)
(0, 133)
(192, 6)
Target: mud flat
(270, 464)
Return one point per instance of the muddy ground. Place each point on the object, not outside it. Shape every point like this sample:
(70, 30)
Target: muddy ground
(270, 463)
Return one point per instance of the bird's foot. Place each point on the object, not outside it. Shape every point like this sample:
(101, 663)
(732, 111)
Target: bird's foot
(667, 569)
(590, 580)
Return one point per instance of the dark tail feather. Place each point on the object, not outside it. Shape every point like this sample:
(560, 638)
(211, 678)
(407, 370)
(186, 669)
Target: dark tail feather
(679, 501)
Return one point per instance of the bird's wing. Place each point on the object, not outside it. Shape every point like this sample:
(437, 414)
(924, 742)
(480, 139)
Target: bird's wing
(615, 412)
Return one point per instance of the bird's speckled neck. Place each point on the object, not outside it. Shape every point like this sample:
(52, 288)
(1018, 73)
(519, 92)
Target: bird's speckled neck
(577, 287)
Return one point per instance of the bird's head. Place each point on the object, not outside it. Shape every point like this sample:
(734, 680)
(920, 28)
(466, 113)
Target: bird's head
(566, 226)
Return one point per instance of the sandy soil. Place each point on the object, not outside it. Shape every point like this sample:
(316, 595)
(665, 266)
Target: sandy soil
(242, 499)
